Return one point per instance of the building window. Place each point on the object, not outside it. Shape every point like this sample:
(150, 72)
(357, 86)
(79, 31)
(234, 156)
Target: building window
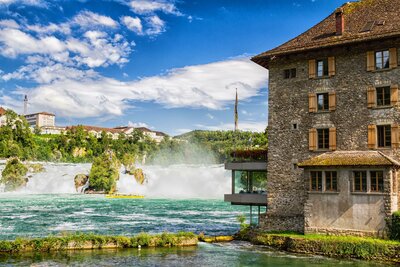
(323, 138)
(384, 133)
(383, 96)
(330, 181)
(316, 181)
(323, 102)
(382, 60)
(289, 73)
(360, 181)
(249, 182)
(322, 68)
(295, 126)
(376, 181)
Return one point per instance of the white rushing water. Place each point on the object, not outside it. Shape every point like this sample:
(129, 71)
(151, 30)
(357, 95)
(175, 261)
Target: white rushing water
(174, 181)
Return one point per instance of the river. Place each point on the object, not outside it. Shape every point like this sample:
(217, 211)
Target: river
(178, 198)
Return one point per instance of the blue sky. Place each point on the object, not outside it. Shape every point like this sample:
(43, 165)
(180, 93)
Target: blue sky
(172, 66)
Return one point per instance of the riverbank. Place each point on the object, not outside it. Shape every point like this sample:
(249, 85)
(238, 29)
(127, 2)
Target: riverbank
(346, 247)
(93, 241)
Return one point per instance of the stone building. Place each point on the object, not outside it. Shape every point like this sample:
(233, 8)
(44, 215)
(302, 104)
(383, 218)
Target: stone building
(334, 118)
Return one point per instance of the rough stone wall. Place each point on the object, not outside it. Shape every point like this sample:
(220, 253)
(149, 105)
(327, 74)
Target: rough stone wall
(288, 104)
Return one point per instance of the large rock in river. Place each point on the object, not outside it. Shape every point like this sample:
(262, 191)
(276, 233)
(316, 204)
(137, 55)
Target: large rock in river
(104, 173)
(139, 176)
(80, 180)
(14, 175)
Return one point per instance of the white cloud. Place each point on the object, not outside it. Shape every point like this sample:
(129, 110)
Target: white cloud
(151, 6)
(49, 29)
(88, 19)
(139, 124)
(38, 3)
(48, 73)
(93, 49)
(15, 42)
(9, 23)
(243, 126)
(156, 25)
(211, 117)
(133, 24)
(210, 86)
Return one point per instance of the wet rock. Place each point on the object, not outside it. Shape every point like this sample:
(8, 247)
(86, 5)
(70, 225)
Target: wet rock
(128, 160)
(80, 180)
(139, 176)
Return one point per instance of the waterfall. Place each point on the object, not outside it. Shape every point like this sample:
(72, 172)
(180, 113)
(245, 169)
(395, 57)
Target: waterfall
(174, 181)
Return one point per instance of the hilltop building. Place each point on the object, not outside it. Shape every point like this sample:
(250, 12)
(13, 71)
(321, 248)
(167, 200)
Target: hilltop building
(333, 129)
(40, 119)
(115, 132)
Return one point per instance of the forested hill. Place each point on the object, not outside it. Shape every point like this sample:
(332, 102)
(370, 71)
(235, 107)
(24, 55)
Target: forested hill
(222, 143)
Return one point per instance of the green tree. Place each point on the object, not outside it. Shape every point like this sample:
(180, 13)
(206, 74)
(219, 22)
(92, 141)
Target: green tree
(104, 173)
(13, 175)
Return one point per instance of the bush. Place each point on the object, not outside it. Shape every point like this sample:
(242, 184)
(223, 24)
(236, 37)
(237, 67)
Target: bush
(13, 175)
(395, 226)
(104, 173)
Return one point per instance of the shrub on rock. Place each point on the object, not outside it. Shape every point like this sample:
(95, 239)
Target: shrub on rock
(14, 175)
(104, 173)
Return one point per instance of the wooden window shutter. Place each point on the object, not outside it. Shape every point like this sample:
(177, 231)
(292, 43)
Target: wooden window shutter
(332, 101)
(395, 135)
(312, 139)
(312, 74)
(312, 102)
(332, 139)
(371, 97)
(331, 66)
(393, 58)
(370, 61)
(372, 136)
(394, 94)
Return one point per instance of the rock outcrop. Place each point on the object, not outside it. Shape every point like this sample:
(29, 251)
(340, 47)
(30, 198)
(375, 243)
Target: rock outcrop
(14, 175)
(104, 173)
(80, 181)
(139, 176)
(128, 160)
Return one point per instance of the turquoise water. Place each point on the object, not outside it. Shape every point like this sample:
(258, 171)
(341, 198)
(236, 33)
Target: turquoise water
(41, 215)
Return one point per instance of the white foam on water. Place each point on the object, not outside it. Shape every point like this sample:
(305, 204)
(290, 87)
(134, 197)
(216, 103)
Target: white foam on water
(174, 181)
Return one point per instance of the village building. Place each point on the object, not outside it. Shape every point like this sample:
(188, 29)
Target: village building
(114, 133)
(333, 126)
(40, 119)
(97, 131)
(3, 118)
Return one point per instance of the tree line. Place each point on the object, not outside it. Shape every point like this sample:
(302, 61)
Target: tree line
(77, 145)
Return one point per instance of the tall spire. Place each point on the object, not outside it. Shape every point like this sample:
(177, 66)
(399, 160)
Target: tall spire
(26, 105)
(236, 112)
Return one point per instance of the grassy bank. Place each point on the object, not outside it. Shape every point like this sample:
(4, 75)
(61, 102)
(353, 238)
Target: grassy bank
(331, 246)
(93, 241)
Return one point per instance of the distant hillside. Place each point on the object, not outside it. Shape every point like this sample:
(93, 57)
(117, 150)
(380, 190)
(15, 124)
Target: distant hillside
(223, 142)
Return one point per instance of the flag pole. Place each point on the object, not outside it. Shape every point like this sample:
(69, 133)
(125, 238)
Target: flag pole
(236, 112)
